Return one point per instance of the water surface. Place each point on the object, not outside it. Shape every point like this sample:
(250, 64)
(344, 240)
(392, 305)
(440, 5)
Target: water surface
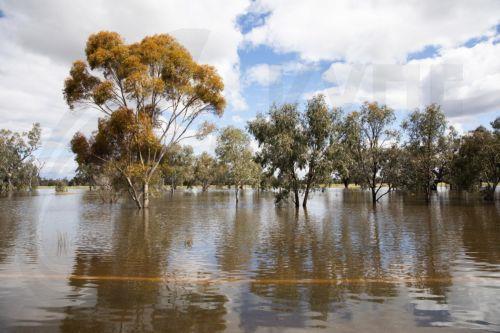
(195, 262)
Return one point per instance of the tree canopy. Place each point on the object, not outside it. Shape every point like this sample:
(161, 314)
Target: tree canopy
(233, 149)
(372, 142)
(478, 161)
(425, 147)
(19, 168)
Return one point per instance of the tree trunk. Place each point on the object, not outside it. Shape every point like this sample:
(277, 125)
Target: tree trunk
(236, 190)
(428, 191)
(306, 196)
(145, 195)
(373, 186)
(346, 182)
(296, 194)
(10, 186)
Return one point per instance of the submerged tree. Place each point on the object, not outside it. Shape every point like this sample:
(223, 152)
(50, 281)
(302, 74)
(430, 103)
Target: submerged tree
(18, 166)
(372, 144)
(151, 93)
(177, 165)
(321, 135)
(205, 170)
(282, 149)
(478, 161)
(448, 148)
(344, 165)
(233, 149)
(425, 147)
(292, 142)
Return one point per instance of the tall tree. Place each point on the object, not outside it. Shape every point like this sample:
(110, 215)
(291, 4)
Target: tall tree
(320, 127)
(282, 148)
(233, 149)
(151, 93)
(372, 142)
(344, 165)
(425, 132)
(18, 165)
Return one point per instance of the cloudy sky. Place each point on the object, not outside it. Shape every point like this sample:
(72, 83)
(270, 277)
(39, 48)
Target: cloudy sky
(403, 53)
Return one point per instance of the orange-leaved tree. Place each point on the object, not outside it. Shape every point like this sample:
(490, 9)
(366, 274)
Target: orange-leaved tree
(150, 93)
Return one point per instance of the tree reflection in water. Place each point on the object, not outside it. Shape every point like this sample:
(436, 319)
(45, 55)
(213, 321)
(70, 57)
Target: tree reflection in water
(197, 263)
(139, 247)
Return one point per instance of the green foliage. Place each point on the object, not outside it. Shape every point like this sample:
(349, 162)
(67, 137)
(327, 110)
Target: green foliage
(61, 186)
(428, 149)
(322, 138)
(233, 149)
(478, 161)
(292, 143)
(19, 168)
(372, 144)
(177, 165)
(282, 148)
(205, 170)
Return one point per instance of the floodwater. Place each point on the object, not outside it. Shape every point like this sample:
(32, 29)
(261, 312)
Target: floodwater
(193, 262)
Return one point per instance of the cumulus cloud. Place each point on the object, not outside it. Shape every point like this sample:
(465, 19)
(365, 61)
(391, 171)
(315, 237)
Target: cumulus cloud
(266, 75)
(464, 80)
(263, 74)
(376, 31)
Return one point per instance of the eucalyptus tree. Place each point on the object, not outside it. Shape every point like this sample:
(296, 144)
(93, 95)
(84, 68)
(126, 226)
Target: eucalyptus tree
(177, 165)
(283, 151)
(372, 142)
(321, 139)
(477, 161)
(233, 150)
(18, 165)
(344, 164)
(294, 143)
(151, 94)
(425, 131)
(205, 170)
(448, 148)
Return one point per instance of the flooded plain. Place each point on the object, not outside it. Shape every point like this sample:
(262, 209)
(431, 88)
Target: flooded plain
(195, 262)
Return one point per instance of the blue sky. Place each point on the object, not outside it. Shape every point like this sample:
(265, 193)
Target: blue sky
(405, 54)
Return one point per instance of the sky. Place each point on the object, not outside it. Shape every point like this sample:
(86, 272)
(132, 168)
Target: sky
(405, 54)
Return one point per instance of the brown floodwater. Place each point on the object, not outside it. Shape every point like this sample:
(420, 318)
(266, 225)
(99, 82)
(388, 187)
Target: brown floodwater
(194, 262)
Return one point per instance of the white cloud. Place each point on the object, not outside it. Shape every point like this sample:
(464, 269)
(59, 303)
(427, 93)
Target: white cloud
(380, 31)
(40, 40)
(266, 75)
(237, 119)
(208, 144)
(263, 74)
(465, 81)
